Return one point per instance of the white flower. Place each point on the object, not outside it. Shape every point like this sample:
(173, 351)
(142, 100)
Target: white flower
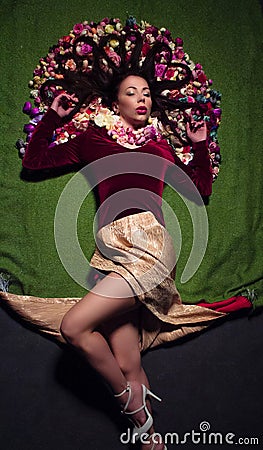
(104, 118)
(119, 26)
(100, 120)
(109, 121)
(34, 93)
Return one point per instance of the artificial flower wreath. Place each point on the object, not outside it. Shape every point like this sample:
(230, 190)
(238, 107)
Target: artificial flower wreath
(61, 58)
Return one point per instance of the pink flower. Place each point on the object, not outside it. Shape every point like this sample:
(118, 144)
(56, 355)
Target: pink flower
(190, 99)
(179, 42)
(161, 38)
(160, 70)
(152, 30)
(113, 56)
(38, 72)
(78, 28)
(84, 49)
(178, 54)
(105, 21)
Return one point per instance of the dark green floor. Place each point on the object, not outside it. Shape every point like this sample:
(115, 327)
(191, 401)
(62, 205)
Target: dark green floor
(225, 37)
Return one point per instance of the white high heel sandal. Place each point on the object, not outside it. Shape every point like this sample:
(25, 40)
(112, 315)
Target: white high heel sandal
(155, 443)
(138, 431)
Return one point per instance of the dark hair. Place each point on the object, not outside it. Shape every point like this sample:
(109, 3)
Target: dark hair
(105, 77)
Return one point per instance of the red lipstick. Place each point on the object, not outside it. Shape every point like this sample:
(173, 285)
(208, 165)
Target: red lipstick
(141, 110)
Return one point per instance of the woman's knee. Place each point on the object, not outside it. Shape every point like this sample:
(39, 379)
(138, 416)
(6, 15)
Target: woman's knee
(71, 330)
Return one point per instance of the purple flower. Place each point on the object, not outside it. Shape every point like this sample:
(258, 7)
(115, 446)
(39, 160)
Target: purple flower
(29, 137)
(34, 112)
(36, 119)
(28, 128)
(27, 108)
(217, 112)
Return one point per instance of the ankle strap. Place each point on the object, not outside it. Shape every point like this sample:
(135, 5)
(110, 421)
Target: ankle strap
(124, 391)
(127, 389)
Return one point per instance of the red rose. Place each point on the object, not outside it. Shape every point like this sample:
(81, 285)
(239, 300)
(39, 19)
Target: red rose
(202, 78)
(66, 39)
(169, 74)
(145, 48)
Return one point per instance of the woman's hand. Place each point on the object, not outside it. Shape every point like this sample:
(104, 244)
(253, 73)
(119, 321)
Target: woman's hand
(64, 103)
(196, 131)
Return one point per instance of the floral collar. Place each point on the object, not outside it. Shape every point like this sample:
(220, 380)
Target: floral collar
(104, 117)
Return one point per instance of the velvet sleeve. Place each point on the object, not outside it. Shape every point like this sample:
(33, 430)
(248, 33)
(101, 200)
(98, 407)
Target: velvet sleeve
(39, 155)
(199, 171)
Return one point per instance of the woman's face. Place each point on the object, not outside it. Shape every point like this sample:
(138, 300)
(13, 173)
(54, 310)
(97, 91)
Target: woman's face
(134, 102)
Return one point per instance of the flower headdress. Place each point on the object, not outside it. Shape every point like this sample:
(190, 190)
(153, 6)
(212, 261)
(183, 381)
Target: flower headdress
(127, 45)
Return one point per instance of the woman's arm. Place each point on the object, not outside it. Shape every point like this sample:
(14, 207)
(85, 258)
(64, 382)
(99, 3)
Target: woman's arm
(39, 155)
(199, 170)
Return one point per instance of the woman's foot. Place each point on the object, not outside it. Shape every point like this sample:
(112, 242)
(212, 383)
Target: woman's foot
(132, 400)
(133, 403)
(154, 442)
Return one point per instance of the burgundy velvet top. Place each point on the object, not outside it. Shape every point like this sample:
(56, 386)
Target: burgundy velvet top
(127, 180)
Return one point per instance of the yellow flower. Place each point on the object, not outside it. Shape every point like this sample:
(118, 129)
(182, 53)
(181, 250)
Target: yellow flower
(36, 79)
(109, 29)
(114, 43)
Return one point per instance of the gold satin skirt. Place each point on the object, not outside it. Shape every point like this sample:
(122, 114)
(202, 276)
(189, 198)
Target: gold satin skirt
(140, 249)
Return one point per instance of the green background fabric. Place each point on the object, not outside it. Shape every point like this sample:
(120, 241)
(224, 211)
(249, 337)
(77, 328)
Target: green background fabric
(225, 37)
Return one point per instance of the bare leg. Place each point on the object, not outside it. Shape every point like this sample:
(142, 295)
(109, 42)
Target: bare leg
(123, 337)
(110, 299)
(80, 324)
